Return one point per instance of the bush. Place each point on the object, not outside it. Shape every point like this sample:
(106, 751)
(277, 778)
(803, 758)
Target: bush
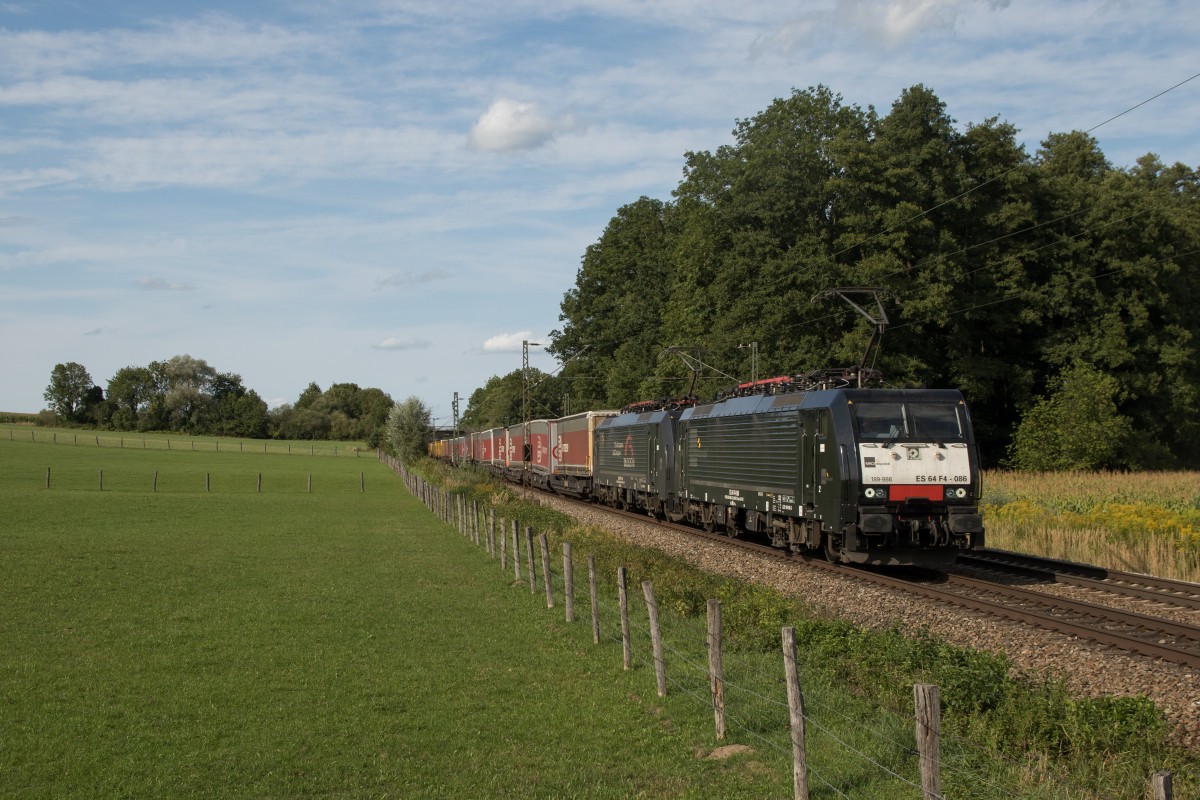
(1076, 427)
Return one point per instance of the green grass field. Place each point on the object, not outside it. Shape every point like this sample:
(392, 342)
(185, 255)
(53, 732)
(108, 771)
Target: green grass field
(180, 642)
(334, 644)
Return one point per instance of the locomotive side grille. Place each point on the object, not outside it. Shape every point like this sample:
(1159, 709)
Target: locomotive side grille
(753, 451)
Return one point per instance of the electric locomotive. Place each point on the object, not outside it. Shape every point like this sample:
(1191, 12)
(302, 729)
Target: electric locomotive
(869, 476)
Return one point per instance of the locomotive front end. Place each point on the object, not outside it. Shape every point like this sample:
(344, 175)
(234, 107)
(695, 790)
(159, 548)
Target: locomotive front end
(918, 477)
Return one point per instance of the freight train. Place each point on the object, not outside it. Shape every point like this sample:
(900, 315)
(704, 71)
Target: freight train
(865, 475)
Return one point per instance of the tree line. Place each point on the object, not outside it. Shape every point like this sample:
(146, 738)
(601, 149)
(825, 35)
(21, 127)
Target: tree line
(1056, 290)
(188, 395)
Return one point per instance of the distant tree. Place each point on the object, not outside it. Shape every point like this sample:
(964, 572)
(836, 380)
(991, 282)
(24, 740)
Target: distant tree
(129, 393)
(244, 415)
(188, 392)
(498, 402)
(310, 395)
(68, 392)
(409, 427)
(376, 405)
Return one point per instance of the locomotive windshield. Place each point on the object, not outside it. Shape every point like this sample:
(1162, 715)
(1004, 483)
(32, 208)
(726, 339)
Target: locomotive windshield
(890, 422)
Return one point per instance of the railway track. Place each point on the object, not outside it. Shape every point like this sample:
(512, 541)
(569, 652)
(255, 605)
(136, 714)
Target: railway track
(1164, 591)
(1129, 631)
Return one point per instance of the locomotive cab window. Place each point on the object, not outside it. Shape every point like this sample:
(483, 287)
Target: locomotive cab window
(884, 422)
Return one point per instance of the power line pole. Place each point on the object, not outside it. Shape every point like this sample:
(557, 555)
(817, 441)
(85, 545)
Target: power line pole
(525, 400)
(454, 405)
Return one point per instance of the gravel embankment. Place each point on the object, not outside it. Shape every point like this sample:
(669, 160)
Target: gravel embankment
(1088, 669)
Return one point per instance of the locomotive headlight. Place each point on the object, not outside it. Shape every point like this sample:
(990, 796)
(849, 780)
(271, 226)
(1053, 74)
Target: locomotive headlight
(956, 492)
(875, 493)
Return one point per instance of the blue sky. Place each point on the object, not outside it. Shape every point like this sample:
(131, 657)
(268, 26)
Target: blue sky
(395, 194)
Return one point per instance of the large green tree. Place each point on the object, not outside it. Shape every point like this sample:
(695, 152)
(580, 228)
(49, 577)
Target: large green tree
(612, 318)
(409, 428)
(130, 390)
(69, 391)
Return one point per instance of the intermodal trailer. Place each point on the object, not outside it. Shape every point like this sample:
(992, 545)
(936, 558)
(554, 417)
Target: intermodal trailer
(528, 458)
(539, 451)
(499, 449)
(572, 453)
(459, 449)
(516, 453)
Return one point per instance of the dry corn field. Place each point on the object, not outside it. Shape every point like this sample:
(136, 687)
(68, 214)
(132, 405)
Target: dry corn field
(1142, 522)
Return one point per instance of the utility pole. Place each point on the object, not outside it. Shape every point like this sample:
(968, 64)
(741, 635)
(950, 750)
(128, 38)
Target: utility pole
(454, 405)
(525, 400)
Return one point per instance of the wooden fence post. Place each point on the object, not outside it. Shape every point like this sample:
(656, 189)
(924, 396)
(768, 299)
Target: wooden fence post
(1160, 783)
(155, 485)
(568, 583)
(491, 532)
(503, 529)
(929, 728)
(475, 522)
(544, 546)
(796, 712)
(310, 483)
(260, 483)
(516, 548)
(529, 559)
(47, 474)
(595, 600)
(623, 598)
(716, 668)
(660, 667)
(208, 481)
(102, 480)
(362, 482)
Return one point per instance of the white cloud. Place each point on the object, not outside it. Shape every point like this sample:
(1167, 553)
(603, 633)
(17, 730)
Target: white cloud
(510, 125)
(237, 160)
(212, 40)
(506, 342)
(403, 344)
(409, 278)
(890, 22)
(162, 285)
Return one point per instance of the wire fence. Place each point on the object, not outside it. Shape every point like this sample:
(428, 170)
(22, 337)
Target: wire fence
(182, 443)
(845, 750)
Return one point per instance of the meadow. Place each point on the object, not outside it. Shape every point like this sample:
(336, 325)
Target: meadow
(264, 640)
(1142, 522)
(342, 643)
